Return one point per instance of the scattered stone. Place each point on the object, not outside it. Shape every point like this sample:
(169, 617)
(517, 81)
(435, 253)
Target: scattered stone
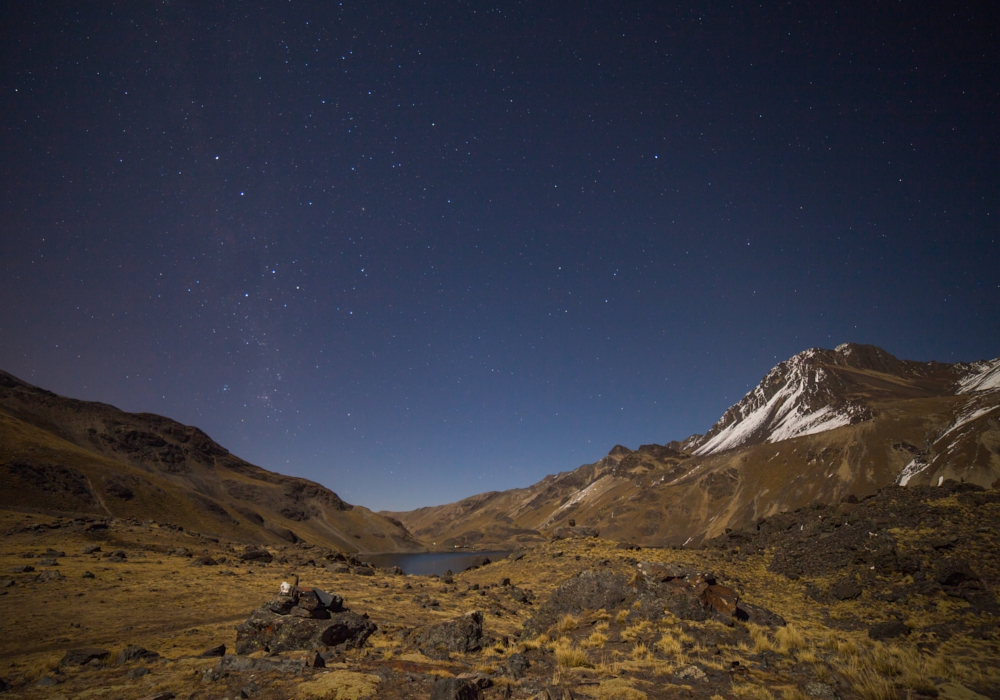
(116, 556)
(845, 589)
(455, 689)
(258, 554)
(757, 615)
(83, 655)
(9, 583)
(48, 561)
(91, 549)
(692, 673)
(181, 552)
(462, 634)
(478, 561)
(820, 690)
(50, 575)
(953, 572)
(241, 664)
(24, 569)
(137, 672)
(214, 651)
(135, 653)
(518, 595)
(339, 569)
(517, 665)
(204, 561)
(362, 571)
(87, 574)
(888, 630)
(249, 690)
(46, 682)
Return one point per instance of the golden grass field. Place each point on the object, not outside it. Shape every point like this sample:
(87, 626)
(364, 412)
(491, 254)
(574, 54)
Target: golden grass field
(161, 602)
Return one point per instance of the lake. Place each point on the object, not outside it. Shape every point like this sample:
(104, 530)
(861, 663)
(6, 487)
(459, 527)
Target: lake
(427, 563)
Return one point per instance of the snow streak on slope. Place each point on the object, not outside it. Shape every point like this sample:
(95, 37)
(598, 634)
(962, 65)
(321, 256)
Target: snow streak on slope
(982, 376)
(795, 408)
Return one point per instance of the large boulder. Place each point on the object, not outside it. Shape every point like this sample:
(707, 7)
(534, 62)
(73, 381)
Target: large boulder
(588, 590)
(462, 634)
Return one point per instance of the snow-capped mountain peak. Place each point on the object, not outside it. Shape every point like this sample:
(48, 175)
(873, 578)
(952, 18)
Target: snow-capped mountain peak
(979, 376)
(798, 397)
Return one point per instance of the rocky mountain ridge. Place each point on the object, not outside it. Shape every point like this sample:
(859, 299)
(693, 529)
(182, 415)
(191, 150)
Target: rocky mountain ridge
(822, 425)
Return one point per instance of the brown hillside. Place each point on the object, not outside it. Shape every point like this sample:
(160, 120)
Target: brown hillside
(63, 455)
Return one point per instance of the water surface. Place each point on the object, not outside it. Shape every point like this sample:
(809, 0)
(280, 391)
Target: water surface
(427, 563)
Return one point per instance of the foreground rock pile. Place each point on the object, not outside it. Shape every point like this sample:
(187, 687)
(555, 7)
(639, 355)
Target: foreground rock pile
(302, 619)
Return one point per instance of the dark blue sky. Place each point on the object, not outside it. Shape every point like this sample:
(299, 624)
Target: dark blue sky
(416, 251)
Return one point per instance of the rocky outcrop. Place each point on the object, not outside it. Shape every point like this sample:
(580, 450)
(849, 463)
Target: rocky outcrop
(302, 620)
(462, 634)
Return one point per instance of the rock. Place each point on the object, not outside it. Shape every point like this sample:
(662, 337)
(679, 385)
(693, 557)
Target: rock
(518, 595)
(589, 590)
(83, 655)
(46, 682)
(517, 665)
(23, 569)
(135, 653)
(242, 664)
(661, 572)
(692, 673)
(48, 561)
(339, 569)
(362, 571)
(682, 604)
(50, 575)
(478, 561)
(214, 651)
(888, 630)
(269, 631)
(820, 690)
(258, 554)
(249, 690)
(204, 561)
(91, 549)
(181, 552)
(952, 572)
(117, 556)
(9, 583)
(137, 672)
(455, 689)
(462, 634)
(845, 589)
(87, 574)
(747, 612)
(720, 599)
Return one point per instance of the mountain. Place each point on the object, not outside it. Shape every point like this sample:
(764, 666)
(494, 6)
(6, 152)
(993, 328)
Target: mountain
(79, 457)
(820, 426)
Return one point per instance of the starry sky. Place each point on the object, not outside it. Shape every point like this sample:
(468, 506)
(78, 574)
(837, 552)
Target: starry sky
(420, 250)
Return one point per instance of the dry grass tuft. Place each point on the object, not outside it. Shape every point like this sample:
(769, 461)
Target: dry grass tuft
(595, 641)
(640, 652)
(868, 683)
(339, 685)
(788, 639)
(670, 645)
(602, 614)
(761, 640)
(570, 656)
(622, 616)
(630, 634)
(566, 623)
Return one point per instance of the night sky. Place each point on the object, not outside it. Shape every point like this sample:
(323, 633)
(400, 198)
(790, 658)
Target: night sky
(416, 251)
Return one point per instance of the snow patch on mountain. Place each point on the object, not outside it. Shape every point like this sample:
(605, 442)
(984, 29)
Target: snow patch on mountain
(981, 376)
(785, 414)
(911, 470)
